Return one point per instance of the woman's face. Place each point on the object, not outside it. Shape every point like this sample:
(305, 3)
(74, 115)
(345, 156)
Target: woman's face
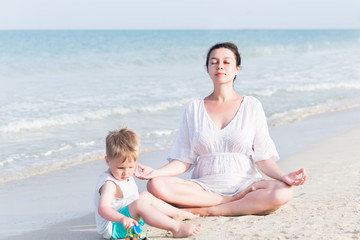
(222, 66)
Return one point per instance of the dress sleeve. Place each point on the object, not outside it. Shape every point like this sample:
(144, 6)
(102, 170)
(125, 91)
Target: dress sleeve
(182, 148)
(263, 146)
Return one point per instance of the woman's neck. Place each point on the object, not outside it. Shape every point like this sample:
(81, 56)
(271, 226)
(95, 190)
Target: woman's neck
(223, 94)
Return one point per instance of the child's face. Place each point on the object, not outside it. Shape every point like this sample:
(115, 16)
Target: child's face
(121, 170)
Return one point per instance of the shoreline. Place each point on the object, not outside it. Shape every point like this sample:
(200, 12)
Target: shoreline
(274, 132)
(59, 204)
(86, 158)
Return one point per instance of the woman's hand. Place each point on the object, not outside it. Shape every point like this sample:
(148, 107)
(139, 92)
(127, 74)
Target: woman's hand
(146, 172)
(173, 168)
(295, 178)
(271, 169)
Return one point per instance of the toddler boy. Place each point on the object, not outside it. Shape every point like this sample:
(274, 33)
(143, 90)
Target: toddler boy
(118, 204)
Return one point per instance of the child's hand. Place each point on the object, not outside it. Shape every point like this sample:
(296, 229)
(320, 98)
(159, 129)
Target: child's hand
(128, 222)
(146, 172)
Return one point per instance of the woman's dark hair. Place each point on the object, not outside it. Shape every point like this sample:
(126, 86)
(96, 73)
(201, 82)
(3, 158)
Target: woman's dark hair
(228, 45)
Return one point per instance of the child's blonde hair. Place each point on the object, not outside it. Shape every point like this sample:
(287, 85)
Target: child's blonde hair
(122, 143)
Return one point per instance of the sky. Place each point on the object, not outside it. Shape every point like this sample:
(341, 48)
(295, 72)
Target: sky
(179, 14)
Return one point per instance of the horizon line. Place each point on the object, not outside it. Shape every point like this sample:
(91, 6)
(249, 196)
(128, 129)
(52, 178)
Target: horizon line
(180, 29)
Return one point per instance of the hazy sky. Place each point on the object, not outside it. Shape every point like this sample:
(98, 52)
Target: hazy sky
(179, 14)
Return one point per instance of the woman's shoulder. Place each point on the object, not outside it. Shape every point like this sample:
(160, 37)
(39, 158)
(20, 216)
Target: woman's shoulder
(194, 103)
(192, 108)
(252, 101)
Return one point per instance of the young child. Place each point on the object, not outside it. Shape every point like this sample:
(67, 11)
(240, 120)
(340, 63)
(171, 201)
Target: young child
(118, 205)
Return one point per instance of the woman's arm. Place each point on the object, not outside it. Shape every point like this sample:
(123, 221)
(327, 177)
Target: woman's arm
(173, 168)
(271, 169)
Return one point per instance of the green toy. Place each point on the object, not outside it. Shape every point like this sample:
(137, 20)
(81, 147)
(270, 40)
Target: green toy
(136, 233)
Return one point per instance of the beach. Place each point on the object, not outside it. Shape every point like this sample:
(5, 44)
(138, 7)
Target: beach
(59, 204)
(62, 91)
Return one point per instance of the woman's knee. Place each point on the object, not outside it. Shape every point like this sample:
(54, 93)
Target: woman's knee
(282, 194)
(279, 196)
(157, 187)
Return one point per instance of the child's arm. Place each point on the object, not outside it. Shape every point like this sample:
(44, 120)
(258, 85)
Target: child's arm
(107, 193)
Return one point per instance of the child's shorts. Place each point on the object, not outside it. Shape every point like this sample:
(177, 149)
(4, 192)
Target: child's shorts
(118, 230)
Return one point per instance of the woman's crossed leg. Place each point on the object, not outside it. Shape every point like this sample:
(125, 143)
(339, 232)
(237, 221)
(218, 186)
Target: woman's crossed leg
(259, 198)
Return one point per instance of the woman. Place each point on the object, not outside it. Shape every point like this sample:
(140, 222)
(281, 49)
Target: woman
(225, 138)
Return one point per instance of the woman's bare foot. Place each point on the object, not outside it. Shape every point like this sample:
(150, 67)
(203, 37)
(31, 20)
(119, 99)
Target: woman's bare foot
(242, 194)
(205, 211)
(186, 230)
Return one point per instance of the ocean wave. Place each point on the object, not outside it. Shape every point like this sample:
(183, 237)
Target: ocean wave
(270, 50)
(75, 118)
(306, 88)
(24, 156)
(160, 133)
(33, 170)
(7, 161)
(85, 144)
(301, 113)
(161, 106)
(63, 119)
(165, 59)
(61, 149)
(58, 164)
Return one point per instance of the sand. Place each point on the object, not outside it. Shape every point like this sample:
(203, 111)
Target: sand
(59, 205)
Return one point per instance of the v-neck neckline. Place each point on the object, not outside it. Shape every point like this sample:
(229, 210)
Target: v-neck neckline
(229, 123)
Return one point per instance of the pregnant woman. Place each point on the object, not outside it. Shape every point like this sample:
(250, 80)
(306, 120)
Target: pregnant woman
(225, 139)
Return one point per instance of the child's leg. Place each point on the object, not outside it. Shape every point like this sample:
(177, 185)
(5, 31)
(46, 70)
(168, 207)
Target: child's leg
(153, 217)
(166, 208)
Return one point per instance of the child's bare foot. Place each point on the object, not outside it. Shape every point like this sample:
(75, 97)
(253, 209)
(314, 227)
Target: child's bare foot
(186, 230)
(185, 215)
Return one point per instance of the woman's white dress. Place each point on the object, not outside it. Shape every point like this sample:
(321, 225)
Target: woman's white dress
(224, 159)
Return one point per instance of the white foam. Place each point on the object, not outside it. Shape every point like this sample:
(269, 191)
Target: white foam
(262, 51)
(160, 133)
(306, 88)
(7, 161)
(33, 170)
(61, 149)
(161, 106)
(17, 157)
(301, 113)
(67, 119)
(85, 144)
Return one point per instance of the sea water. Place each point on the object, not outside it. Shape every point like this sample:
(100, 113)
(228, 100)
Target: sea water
(62, 91)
